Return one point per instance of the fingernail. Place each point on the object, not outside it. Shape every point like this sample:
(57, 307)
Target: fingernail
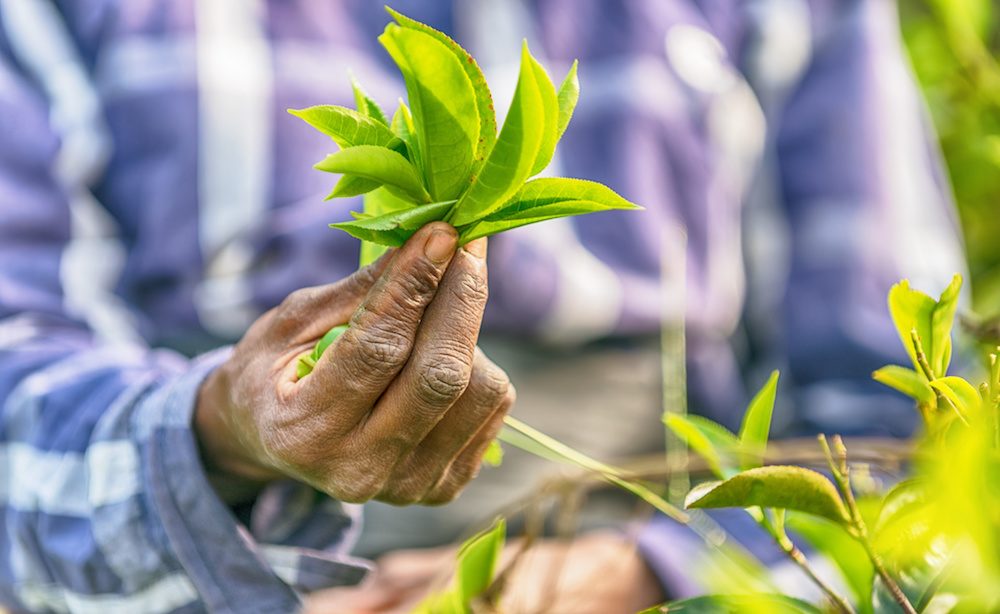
(477, 248)
(440, 245)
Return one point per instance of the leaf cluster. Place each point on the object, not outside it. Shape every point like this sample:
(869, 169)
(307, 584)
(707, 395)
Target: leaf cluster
(441, 158)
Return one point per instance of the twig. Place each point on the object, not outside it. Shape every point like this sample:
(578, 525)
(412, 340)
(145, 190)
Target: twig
(792, 551)
(841, 476)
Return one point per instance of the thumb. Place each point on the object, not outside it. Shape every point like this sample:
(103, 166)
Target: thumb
(308, 313)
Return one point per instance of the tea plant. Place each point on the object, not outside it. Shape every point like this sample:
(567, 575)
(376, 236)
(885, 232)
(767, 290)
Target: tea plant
(443, 160)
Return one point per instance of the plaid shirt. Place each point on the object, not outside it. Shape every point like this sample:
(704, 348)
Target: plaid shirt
(155, 198)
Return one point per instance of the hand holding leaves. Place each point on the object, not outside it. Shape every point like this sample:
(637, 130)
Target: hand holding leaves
(445, 160)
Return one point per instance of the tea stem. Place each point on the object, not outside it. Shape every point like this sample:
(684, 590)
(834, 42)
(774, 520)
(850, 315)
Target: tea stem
(841, 476)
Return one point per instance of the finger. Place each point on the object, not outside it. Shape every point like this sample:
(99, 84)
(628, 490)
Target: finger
(308, 313)
(356, 370)
(470, 460)
(424, 467)
(440, 366)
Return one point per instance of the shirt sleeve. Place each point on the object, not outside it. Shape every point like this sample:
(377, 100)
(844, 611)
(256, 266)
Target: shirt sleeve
(105, 505)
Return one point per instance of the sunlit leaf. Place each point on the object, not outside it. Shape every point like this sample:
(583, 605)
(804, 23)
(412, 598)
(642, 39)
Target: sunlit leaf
(444, 107)
(377, 164)
(477, 560)
(779, 486)
(569, 95)
(545, 199)
(365, 104)
(550, 113)
(510, 161)
(960, 392)
(402, 126)
(393, 229)
(907, 381)
(710, 440)
(494, 454)
(756, 425)
(933, 320)
(378, 203)
(484, 99)
(346, 127)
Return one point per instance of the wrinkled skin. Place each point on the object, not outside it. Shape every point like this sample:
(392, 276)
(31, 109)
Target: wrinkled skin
(400, 408)
(600, 573)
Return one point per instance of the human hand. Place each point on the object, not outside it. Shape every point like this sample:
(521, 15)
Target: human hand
(599, 573)
(400, 408)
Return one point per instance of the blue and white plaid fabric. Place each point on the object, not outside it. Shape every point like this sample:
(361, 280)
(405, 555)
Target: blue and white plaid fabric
(155, 198)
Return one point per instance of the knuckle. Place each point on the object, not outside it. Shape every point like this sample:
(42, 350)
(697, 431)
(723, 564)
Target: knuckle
(406, 491)
(442, 381)
(492, 385)
(358, 485)
(420, 280)
(376, 349)
(295, 308)
(472, 290)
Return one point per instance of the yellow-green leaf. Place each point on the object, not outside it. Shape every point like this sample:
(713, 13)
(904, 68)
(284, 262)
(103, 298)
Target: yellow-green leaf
(379, 164)
(366, 105)
(545, 199)
(756, 425)
(907, 381)
(509, 163)
(777, 486)
(484, 99)
(444, 107)
(569, 94)
(550, 113)
(710, 440)
(393, 229)
(346, 127)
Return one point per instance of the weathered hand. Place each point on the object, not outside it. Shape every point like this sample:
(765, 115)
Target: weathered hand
(400, 408)
(599, 573)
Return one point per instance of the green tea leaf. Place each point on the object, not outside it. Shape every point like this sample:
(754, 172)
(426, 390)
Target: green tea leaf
(757, 424)
(402, 126)
(484, 99)
(710, 440)
(942, 320)
(346, 127)
(377, 203)
(365, 105)
(377, 164)
(569, 94)
(477, 560)
(836, 544)
(907, 381)
(352, 185)
(543, 199)
(509, 163)
(494, 454)
(550, 112)
(738, 604)
(444, 107)
(933, 320)
(960, 392)
(779, 486)
(393, 229)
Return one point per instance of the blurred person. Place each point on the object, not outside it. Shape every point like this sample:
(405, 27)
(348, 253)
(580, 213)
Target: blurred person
(157, 202)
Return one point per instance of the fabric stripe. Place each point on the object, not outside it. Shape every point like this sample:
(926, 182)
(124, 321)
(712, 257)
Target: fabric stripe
(169, 593)
(68, 483)
(234, 166)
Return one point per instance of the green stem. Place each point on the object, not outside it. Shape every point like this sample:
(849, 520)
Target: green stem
(841, 476)
(792, 552)
(556, 450)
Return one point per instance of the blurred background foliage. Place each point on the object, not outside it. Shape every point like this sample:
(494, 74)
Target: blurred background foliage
(954, 46)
